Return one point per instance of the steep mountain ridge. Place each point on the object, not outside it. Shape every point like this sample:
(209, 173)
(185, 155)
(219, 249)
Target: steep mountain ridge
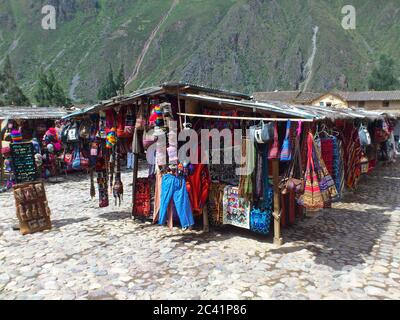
(245, 45)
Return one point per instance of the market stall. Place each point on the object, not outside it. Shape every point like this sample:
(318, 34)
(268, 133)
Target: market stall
(33, 125)
(293, 160)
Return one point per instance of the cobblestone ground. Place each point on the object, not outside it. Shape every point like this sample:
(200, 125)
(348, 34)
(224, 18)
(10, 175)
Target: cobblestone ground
(349, 252)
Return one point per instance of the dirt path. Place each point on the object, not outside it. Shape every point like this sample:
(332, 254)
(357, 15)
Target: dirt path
(147, 44)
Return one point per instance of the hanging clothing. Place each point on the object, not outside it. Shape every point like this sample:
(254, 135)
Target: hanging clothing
(246, 181)
(173, 187)
(215, 204)
(198, 187)
(142, 198)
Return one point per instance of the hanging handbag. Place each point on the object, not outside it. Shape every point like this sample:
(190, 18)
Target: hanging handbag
(365, 137)
(85, 129)
(311, 198)
(73, 134)
(274, 151)
(68, 158)
(290, 183)
(286, 152)
(264, 133)
(76, 163)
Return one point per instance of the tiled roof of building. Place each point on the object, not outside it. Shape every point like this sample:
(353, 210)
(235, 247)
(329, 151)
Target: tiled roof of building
(370, 95)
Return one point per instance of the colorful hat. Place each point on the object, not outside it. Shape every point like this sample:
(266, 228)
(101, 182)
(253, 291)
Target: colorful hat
(111, 138)
(16, 136)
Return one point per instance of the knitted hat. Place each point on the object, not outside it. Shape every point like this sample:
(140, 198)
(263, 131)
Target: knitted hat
(16, 136)
(111, 138)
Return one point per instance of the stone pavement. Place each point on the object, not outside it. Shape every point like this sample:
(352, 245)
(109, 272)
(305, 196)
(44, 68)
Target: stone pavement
(349, 252)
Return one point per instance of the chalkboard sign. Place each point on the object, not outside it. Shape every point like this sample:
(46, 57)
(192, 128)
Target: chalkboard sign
(24, 165)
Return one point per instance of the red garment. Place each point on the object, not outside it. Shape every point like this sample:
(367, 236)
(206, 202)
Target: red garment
(121, 118)
(198, 187)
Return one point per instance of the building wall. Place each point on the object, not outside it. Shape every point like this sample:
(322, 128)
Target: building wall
(335, 101)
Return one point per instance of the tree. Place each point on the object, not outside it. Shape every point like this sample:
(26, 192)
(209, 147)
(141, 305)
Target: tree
(10, 92)
(49, 91)
(120, 81)
(58, 96)
(109, 87)
(383, 77)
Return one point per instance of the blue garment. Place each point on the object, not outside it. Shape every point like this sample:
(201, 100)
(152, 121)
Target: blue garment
(173, 187)
(129, 158)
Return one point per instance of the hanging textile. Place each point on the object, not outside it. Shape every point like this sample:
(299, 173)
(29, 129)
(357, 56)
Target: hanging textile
(142, 198)
(326, 183)
(223, 172)
(198, 186)
(236, 209)
(326, 145)
(246, 181)
(118, 188)
(353, 155)
(102, 179)
(215, 204)
(260, 221)
(338, 166)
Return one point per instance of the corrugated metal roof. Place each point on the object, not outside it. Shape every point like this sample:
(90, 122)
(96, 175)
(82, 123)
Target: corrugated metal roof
(116, 100)
(203, 89)
(285, 96)
(30, 113)
(275, 107)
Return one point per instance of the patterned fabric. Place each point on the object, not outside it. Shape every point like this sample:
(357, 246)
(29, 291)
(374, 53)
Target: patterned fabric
(236, 210)
(102, 183)
(353, 155)
(142, 198)
(326, 146)
(260, 221)
(338, 165)
(286, 153)
(246, 181)
(215, 207)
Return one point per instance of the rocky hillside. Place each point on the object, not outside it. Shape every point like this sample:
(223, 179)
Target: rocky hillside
(246, 45)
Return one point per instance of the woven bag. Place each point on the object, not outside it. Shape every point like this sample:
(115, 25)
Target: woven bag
(286, 152)
(274, 151)
(312, 198)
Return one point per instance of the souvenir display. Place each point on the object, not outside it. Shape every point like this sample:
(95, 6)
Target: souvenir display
(33, 211)
(236, 210)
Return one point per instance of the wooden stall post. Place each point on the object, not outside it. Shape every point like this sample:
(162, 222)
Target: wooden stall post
(278, 241)
(206, 222)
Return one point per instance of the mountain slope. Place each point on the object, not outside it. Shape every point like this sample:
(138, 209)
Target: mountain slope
(234, 44)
